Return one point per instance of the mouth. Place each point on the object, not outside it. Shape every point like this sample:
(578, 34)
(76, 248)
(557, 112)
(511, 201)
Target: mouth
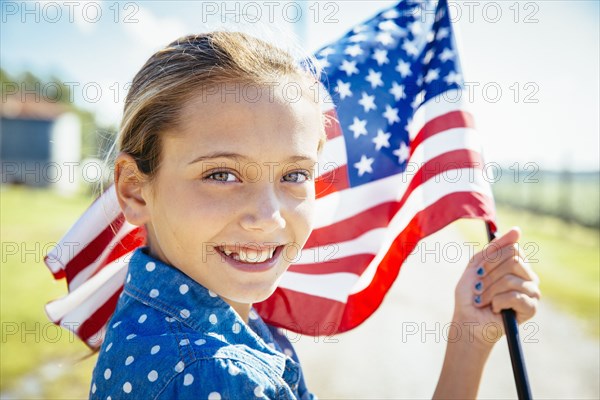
(250, 256)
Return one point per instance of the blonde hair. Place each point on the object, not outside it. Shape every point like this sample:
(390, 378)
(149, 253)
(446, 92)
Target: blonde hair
(187, 66)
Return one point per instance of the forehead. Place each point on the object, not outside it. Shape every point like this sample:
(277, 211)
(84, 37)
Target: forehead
(260, 119)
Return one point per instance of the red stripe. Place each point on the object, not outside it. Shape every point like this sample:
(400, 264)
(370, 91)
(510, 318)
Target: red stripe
(355, 264)
(99, 318)
(451, 120)
(302, 313)
(93, 249)
(58, 274)
(321, 316)
(380, 215)
(332, 181)
(126, 245)
(332, 125)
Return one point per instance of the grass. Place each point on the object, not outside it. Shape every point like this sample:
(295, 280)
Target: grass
(565, 256)
(37, 359)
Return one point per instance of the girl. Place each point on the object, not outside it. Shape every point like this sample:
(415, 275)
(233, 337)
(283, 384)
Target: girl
(218, 167)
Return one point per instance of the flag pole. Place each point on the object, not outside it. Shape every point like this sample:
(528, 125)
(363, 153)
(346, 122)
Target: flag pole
(514, 344)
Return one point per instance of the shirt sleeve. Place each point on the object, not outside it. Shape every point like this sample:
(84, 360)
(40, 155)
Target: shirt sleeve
(220, 378)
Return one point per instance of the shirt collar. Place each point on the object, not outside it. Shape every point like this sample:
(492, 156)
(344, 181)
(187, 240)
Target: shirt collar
(166, 288)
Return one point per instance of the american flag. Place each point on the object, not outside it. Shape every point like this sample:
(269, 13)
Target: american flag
(402, 161)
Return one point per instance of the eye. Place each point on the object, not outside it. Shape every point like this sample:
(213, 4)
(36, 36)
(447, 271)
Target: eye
(297, 177)
(222, 176)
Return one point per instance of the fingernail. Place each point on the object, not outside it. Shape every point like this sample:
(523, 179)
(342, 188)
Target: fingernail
(480, 271)
(477, 299)
(478, 286)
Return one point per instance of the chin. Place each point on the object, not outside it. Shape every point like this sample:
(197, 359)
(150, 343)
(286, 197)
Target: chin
(253, 296)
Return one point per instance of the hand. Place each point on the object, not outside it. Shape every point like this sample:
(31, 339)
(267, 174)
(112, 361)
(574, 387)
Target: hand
(496, 278)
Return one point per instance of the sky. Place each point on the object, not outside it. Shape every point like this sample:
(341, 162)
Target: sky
(532, 67)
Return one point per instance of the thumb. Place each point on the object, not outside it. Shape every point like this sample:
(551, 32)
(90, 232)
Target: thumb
(509, 238)
(512, 236)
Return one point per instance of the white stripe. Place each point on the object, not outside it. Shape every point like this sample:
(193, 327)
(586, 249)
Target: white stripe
(367, 243)
(89, 270)
(100, 214)
(346, 203)
(76, 307)
(331, 286)
(422, 197)
(332, 156)
(451, 100)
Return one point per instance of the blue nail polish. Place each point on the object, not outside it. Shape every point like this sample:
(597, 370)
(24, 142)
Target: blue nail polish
(480, 271)
(478, 286)
(477, 299)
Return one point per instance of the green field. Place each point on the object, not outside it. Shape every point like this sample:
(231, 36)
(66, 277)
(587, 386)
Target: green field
(36, 361)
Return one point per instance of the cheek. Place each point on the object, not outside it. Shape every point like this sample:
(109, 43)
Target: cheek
(303, 220)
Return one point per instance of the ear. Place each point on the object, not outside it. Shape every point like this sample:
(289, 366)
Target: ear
(129, 182)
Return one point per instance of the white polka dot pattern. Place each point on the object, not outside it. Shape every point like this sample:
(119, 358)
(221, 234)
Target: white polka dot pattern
(168, 337)
(188, 379)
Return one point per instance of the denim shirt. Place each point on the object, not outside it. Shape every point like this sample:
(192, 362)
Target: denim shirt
(171, 338)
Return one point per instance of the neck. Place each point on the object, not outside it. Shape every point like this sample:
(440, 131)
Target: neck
(243, 309)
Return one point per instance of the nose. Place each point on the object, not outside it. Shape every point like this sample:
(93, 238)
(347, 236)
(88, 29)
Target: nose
(263, 211)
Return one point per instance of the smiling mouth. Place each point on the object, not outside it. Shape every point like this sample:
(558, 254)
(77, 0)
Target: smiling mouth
(249, 255)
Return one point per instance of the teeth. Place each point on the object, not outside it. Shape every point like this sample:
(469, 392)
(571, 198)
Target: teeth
(250, 255)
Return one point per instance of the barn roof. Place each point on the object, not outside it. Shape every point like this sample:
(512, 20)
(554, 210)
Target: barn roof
(30, 106)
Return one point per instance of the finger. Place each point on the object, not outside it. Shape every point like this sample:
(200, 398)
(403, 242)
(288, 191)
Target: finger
(491, 249)
(511, 266)
(507, 283)
(523, 305)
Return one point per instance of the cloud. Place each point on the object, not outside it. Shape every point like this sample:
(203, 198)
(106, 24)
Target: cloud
(153, 32)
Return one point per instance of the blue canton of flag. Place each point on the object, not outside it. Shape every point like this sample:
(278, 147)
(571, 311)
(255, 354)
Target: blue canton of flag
(379, 74)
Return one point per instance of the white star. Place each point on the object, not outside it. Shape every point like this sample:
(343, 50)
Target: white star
(359, 127)
(391, 114)
(384, 38)
(417, 11)
(402, 153)
(397, 91)
(382, 139)
(403, 68)
(428, 56)
(453, 77)
(343, 89)
(442, 33)
(419, 98)
(432, 75)
(354, 50)
(391, 14)
(446, 55)
(349, 67)
(323, 62)
(326, 51)
(388, 26)
(410, 48)
(415, 27)
(359, 37)
(374, 78)
(430, 36)
(368, 102)
(381, 57)
(364, 165)
(359, 28)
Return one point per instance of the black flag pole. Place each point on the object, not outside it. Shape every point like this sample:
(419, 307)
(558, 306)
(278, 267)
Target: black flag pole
(511, 330)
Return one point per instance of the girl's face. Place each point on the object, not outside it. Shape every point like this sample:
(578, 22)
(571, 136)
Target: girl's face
(233, 198)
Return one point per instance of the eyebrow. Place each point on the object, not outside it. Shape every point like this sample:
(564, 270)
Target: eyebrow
(240, 157)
